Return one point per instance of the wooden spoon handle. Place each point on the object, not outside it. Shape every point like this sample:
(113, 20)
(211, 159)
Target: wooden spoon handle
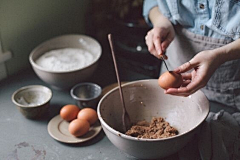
(125, 116)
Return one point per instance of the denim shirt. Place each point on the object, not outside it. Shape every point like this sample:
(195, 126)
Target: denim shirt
(213, 18)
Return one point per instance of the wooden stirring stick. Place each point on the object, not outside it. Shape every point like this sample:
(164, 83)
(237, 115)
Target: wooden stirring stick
(125, 116)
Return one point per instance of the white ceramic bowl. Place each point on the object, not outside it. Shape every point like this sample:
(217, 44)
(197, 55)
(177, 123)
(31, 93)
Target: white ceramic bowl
(144, 99)
(32, 101)
(66, 79)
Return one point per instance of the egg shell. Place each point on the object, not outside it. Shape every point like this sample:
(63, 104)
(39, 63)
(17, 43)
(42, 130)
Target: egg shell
(69, 112)
(78, 127)
(88, 114)
(170, 79)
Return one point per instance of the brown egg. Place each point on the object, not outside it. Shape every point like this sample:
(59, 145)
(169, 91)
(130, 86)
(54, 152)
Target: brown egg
(88, 114)
(78, 127)
(69, 112)
(170, 80)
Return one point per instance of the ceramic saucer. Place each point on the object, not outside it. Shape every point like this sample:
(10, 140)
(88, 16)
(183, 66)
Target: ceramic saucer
(58, 129)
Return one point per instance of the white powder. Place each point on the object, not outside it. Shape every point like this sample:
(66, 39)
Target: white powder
(32, 98)
(66, 59)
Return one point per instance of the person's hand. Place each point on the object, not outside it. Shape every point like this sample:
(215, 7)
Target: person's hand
(203, 65)
(159, 38)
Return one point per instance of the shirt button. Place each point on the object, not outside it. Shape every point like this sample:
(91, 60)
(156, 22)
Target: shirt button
(202, 27)
(201, 6)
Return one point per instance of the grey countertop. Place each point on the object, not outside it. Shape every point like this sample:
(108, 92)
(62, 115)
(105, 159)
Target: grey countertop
(25, 139)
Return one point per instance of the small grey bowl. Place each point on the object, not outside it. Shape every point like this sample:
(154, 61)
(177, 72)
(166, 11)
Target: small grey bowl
(32, 101)
(86, 94)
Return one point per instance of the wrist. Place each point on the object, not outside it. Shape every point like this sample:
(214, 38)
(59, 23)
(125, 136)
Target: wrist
(221, 55)
(229, 52)
(162, 22)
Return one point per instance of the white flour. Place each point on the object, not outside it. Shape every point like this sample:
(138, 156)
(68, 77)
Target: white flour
(66, 59)
(32, 98)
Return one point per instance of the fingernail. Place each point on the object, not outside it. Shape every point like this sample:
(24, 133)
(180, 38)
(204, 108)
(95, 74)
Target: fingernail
(159, 52)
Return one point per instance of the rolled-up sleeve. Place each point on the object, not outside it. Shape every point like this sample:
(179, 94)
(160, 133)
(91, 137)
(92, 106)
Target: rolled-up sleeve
(147, 6)
(168, 8)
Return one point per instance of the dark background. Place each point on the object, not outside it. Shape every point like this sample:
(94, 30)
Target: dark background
(124, 20)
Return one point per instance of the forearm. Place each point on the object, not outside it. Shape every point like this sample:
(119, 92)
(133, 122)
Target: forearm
(229, 52)
(157, 18)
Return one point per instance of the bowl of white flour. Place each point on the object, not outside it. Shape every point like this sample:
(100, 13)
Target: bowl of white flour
(66, 60)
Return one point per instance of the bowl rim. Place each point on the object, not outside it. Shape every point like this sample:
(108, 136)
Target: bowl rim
(63, 36)
(115, 132)
(28, 87)
(81, 84)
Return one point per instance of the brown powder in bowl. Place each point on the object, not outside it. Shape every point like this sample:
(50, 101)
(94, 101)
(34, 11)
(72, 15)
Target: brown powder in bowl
(158, 128)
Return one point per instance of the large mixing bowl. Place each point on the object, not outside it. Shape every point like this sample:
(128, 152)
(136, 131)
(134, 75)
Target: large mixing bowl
(66, 79)
(144, 99)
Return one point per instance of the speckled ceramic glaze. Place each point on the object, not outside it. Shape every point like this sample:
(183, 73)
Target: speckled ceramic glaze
(144, 99)
(32, 101)
(66, 79)
(86, 94)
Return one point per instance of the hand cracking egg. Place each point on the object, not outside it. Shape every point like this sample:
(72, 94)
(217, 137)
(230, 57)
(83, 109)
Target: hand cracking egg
(170, 79)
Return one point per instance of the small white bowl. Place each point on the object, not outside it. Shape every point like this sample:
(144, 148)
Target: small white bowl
(66, 79)
(32, 101)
